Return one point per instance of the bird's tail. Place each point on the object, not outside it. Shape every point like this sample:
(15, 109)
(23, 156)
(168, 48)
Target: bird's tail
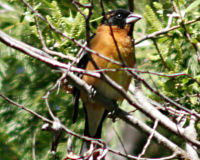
(93, 126)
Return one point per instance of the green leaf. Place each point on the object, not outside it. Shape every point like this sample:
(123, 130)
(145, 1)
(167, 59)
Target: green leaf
(152, 19)
(193, 100)
(192, 6)
(193, 65)
(170, 62)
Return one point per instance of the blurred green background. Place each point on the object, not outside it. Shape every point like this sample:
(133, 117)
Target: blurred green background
(26, 80)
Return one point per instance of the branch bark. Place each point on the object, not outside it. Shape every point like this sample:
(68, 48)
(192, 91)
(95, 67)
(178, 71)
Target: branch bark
(152, 112)
(163, 31)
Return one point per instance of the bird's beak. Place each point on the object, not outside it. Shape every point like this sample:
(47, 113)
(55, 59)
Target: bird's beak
(132, 18)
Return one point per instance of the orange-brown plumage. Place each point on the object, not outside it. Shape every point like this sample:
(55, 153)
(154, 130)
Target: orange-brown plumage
(104, 44)
(115, 27)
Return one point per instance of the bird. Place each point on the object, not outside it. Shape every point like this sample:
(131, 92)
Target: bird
(113, 40)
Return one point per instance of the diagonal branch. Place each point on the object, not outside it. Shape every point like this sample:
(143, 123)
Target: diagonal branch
(187, 34)
(163, 31)
(64, 35)
(131, 120)
(44, 47)
(99, 142)
(149, 139)
(109, 80)
(82, 85)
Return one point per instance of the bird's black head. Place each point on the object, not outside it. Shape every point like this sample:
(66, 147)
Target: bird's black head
(120, 18)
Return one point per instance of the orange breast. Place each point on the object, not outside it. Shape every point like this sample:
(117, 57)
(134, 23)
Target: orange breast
(103, 43)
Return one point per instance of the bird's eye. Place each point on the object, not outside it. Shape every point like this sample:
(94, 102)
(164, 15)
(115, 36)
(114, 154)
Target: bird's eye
(119, 16)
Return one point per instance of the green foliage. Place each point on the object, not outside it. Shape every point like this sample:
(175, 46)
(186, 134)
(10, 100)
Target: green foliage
(192, 6)
(152, 19)
(26, 80)
(178, 53)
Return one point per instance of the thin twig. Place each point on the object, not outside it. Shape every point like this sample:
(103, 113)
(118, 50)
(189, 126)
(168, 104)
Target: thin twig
(148, 140)
(140, 71)
(57, 128)
(96, 141)
(34, 146)
(79, 10)
(109, 80)
(171, 16)
(57, 85)
(79, 83)
(44, 47)
(131, 5)
(167, 99)
(81, 5)
(121, 114)
(163, 31)
(174, 155)
(120, 140)
(102, 8)
(64, 35)
(113, 37)
(26, 109)
(187, 34)
(87, 21)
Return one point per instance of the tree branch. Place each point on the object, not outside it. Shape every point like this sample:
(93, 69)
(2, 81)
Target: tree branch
(79, 83)
(131, 120)
(106, 78)
(163, 31)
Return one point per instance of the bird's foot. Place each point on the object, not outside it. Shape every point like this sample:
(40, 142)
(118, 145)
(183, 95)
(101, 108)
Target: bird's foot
(112, 114)
(92, 92)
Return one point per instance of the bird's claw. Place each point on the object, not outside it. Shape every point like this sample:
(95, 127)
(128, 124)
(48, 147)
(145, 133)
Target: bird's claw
(92, 92)
(112, 114)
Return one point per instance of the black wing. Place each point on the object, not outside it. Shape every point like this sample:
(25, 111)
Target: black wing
(76, 92)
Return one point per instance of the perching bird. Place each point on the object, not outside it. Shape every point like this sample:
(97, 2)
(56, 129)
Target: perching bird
(116, 22)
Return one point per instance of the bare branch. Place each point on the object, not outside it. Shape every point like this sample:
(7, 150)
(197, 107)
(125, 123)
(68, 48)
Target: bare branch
(174, 155)
(96, 141)
(132, 120)
(144, 72)
(167, 99)
(187, 34)
(121, 114)
(152, 112)
(44, 47)
(110, 81)
(64, 35)
(26, 109)
(40, 55)
(171, 16)
(190, 130)
(148, 140)
(163, 31)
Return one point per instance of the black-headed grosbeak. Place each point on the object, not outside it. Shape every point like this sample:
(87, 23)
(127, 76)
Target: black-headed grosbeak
(113, 29)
